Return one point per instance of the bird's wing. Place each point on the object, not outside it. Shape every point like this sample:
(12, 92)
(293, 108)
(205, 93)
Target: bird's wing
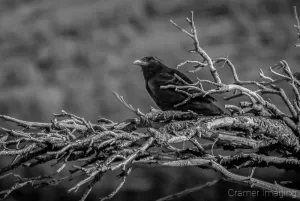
(181, 75)
(162, 79)
(165, 78)
(164, 97)
(210, 103)
(169, 78)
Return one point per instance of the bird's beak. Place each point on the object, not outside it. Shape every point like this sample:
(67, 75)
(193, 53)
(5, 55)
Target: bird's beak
(139, 62)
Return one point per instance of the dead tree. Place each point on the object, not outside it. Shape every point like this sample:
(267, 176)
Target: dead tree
(270, 136)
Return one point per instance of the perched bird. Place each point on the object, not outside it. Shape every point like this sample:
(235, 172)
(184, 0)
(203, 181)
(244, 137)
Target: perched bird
(157, 74)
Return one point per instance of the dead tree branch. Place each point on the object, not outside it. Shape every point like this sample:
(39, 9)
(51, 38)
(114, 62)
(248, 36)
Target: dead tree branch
(270, 136)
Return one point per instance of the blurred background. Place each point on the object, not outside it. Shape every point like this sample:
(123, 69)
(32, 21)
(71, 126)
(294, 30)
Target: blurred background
(71, 55)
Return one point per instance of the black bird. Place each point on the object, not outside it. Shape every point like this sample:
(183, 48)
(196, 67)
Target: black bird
(157, 74)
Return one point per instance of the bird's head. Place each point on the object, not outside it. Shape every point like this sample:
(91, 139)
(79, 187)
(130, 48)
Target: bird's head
(149, 62)
(150, 65)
